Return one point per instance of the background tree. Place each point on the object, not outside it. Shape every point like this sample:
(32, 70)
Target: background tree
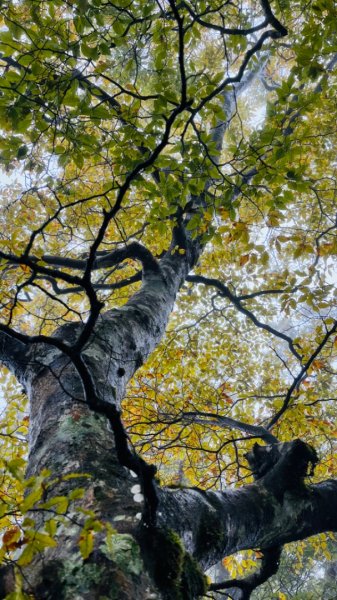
(174, 205)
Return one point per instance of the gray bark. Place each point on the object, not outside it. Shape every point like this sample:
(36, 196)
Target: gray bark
(67, 437)
(218, 524)
(13, 354)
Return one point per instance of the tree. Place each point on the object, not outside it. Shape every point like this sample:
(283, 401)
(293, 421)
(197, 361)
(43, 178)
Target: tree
(168, 155)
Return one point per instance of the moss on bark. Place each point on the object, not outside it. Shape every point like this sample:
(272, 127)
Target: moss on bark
(177, 575)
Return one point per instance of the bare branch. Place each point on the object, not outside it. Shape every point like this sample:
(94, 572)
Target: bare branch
(206, 418)
(237, 302)
(269, 566)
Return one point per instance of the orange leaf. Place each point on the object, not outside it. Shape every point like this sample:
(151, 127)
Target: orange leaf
(11, 537)
(244, 259)
(317, 364)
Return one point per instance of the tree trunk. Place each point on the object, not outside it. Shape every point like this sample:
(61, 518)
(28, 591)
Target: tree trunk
(144, 559)
(68, 438)
(156, 535)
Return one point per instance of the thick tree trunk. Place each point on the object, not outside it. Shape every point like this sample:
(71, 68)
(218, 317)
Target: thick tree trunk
(160, 536)
(147, 562)
(68, 438)
(145, 558)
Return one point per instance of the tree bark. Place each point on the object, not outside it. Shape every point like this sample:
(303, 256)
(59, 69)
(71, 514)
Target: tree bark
(149, 558)
(67, 437)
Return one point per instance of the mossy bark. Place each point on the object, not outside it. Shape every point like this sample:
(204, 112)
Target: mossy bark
(194, 529)
(146, 559)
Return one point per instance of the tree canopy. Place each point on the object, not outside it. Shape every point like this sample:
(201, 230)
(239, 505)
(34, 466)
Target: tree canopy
(195, 139)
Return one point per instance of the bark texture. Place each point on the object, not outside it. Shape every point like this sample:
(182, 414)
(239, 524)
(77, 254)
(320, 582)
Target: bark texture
(161, 535)
(154, 560)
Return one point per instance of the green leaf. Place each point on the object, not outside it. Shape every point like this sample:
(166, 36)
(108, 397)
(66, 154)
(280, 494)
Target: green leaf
(31, 499)
(118, 27)
(58, 503)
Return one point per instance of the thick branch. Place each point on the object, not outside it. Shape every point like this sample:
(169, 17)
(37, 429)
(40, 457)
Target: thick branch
(116, 285)
(108, 259)
(205, 418)
(230, 97)
(275, 510)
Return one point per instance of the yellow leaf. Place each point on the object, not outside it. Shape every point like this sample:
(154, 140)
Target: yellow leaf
(317, 364)
(51, 527)
(59, 503)
(26, 556)
(86, 543)
(31, 499)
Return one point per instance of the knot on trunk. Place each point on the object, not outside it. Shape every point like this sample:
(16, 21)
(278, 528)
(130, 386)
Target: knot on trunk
(282, 467)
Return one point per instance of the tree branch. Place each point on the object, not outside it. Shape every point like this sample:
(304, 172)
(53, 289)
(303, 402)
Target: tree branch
(205, 418)
(236, 301)
(12, 353)
(299, 378)
(272, 34)
(116, 285)
(225, 30)
(276, 509)
(105, 260)
(229, 102)
(269, 566)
